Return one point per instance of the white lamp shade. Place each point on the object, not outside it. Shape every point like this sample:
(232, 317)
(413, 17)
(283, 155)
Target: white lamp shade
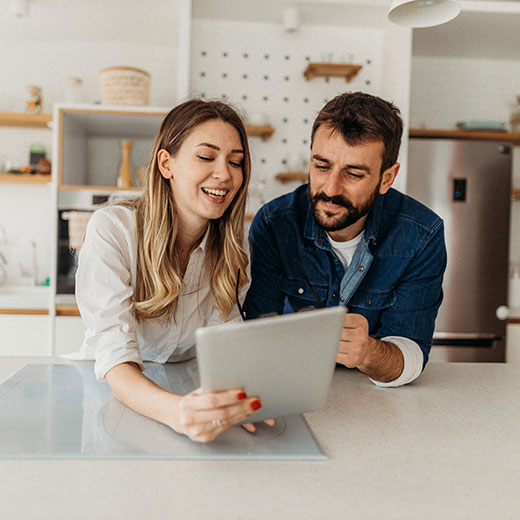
(423, 13)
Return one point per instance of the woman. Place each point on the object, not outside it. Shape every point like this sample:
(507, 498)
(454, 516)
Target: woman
(155, 268)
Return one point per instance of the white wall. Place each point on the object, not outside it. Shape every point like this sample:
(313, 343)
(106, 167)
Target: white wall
(446, 90)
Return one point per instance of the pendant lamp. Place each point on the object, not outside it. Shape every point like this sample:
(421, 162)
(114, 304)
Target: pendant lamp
(423, 13)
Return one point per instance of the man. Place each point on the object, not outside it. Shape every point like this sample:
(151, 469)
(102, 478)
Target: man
(348, 238)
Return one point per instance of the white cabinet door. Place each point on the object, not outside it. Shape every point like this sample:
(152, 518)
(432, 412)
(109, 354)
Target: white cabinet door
(69, 334)
(513, 344)
(24, 335)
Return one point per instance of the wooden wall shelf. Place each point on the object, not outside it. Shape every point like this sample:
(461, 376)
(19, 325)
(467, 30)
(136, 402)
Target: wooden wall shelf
(511, 137)
(67, 310)
(32, 312)
(263, 131)
(24, 178)
(285, 177)
(516, 194)
(25, 120)
(99, 188)
(337, 70)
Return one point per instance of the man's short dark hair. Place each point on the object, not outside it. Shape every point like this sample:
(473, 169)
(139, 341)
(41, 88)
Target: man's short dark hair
(363, 118)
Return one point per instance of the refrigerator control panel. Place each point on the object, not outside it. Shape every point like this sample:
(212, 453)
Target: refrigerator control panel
(459, 190)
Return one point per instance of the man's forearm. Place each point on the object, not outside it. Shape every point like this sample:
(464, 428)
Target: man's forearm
(383, 361)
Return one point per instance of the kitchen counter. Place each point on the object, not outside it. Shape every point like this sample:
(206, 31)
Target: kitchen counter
(446, 446)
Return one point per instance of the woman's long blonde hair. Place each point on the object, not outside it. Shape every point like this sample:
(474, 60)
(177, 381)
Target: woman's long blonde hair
(158, 279)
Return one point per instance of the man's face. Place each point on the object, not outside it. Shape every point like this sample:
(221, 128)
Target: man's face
(344, 182)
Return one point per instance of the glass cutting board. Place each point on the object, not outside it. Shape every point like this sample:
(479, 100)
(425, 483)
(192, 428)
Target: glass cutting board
(62, 411)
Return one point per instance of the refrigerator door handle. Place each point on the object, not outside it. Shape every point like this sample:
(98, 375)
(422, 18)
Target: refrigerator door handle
(466, 339)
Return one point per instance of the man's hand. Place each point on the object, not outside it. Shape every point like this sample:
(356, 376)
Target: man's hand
(379, 360)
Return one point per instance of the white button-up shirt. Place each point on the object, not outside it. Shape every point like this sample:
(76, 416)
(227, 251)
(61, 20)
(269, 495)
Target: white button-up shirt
(105, 282)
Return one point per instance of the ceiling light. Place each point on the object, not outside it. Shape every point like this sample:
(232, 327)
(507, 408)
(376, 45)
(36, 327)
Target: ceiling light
(423, 13)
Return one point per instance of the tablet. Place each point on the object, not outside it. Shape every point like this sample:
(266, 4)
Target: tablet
(287, 361)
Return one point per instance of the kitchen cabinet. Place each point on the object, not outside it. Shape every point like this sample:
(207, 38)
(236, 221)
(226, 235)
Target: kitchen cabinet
(25, 334)
(68, 335)
(88, 141)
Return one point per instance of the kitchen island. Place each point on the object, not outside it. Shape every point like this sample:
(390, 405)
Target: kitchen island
(445, 446)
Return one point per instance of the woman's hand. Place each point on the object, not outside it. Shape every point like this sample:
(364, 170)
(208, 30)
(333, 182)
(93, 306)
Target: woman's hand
(203, 416)
(251, 428)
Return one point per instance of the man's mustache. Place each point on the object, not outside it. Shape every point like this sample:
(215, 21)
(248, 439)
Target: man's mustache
(336, 199)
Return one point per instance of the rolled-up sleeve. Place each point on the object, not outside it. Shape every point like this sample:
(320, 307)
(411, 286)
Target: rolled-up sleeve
(104, 292)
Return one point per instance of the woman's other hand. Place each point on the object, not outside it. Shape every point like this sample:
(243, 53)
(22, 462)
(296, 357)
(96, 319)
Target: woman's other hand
(204, 416)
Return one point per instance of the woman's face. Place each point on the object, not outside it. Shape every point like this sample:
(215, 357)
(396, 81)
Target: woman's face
(206, 172)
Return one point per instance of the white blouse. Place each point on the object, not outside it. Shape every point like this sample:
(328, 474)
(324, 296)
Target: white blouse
(105, 282)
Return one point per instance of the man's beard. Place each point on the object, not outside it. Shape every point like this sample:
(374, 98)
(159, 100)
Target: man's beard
(352, 215)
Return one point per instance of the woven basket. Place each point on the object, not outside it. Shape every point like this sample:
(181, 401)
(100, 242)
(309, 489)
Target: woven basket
(125, 86)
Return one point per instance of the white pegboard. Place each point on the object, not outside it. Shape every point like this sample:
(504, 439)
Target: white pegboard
(258, 68)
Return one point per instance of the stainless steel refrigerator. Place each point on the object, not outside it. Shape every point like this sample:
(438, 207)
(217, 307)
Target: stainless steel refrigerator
(468, 183)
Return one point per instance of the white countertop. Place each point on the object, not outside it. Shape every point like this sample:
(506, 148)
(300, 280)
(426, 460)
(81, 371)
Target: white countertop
(445, 447)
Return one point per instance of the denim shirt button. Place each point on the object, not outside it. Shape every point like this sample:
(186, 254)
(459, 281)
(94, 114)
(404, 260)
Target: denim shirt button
(369, 301)
(342, 299)
(300, 291)
(361, 268)
(334, 295)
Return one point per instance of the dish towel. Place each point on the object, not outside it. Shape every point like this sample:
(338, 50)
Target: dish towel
(78, 221)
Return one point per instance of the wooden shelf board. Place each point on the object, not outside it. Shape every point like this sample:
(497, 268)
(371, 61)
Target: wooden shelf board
(67, 310)
(100, 188)
(337, 70)
(516, 194)
(513, 137)
(263, 131)
(513, 320)
(25, 311)
(25, 120)
(285, 177)
(24, 178)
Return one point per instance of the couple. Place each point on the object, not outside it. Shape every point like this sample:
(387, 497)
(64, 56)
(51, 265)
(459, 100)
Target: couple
(155, 268)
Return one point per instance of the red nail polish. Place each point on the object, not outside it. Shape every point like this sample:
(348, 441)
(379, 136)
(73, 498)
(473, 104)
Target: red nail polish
(241, 395)
(256, 404)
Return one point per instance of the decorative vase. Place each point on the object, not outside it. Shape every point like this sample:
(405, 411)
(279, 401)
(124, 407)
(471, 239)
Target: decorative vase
(124, 179)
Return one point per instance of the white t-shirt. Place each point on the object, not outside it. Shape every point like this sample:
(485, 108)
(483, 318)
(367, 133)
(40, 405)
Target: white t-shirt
(412, 353)
(105, 282)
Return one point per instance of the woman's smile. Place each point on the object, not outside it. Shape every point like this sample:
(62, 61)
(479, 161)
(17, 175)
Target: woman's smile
(216, 195)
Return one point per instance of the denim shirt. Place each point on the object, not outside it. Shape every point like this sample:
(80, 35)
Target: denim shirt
(394, 279)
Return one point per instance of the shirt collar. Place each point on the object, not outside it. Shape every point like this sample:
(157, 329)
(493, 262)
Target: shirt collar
(317, 234)
(203, 243)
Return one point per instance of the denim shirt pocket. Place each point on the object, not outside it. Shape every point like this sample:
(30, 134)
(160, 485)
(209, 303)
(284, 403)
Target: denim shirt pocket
(372, 300)
(299, 294)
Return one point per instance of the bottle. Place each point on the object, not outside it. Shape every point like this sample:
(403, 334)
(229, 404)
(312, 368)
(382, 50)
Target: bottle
(125, 170)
